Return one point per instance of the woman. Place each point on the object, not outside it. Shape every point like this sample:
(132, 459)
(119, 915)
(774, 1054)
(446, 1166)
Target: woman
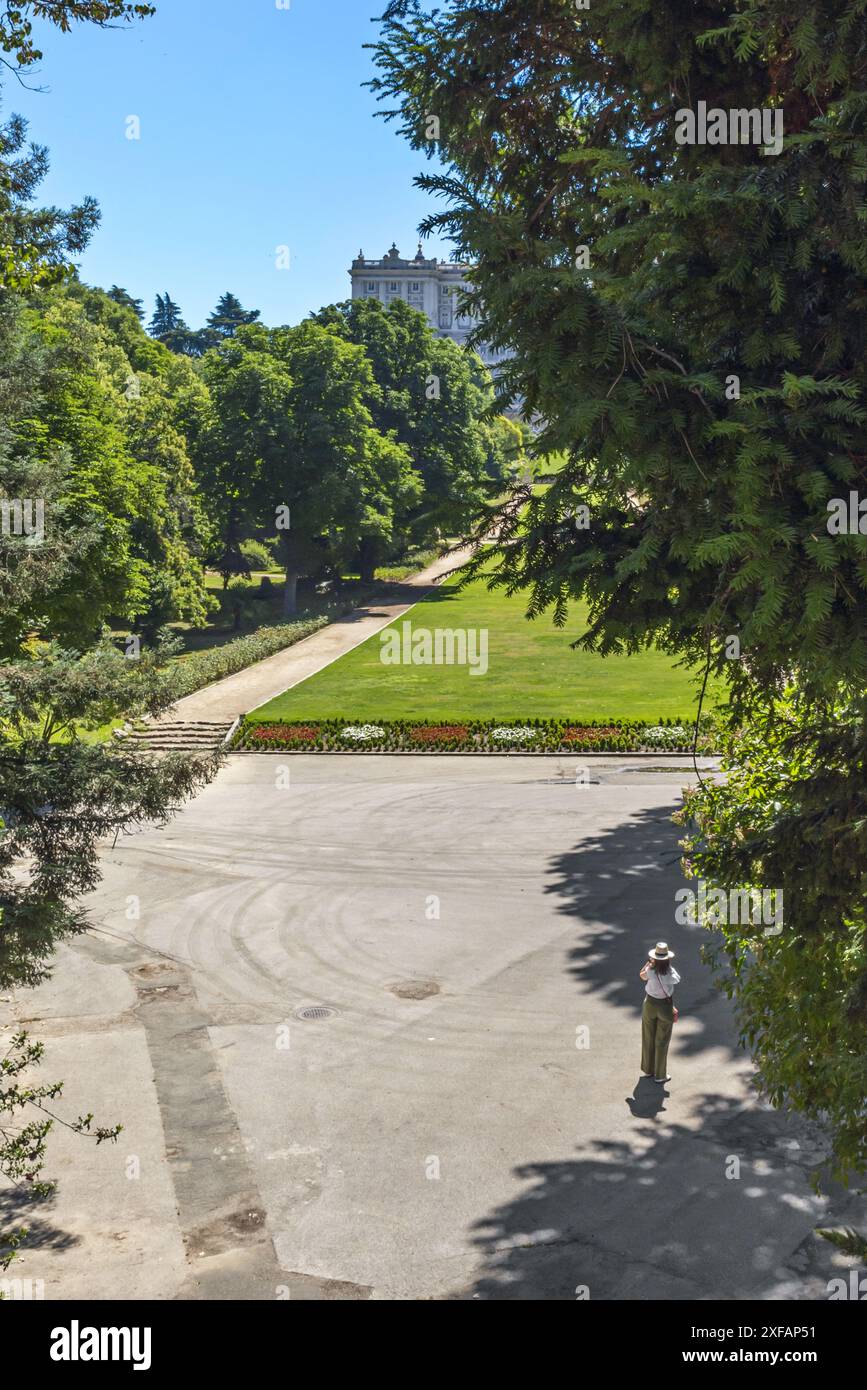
(659, 1014)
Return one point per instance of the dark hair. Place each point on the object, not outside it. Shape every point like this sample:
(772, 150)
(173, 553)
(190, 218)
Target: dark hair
(660, 966)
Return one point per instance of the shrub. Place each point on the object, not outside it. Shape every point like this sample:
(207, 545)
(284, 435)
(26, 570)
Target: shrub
(258, 555)
(419, 560)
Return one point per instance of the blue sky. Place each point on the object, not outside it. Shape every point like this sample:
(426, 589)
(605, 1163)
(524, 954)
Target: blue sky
(255, 133)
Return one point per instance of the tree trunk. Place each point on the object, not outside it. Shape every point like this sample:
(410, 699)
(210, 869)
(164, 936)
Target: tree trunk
(290, 592)
(367, 556)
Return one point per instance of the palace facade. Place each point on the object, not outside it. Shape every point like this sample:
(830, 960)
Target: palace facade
(430, 285)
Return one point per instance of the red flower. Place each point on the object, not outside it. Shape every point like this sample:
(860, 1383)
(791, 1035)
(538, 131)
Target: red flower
(435, 733)
(586, 733)
(284, 733)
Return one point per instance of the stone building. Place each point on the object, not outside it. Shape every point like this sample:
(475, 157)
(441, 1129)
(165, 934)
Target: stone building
(427, 284)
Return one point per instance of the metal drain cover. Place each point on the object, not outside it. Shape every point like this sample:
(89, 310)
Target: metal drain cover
(414, 989)
(314, 1012)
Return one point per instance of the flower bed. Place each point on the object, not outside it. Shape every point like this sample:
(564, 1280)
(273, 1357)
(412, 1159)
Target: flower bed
(478, 736)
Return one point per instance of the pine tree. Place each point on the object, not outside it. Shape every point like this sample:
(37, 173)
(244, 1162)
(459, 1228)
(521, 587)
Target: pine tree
(35, 243)
(222, 324)
(687, 318)
(121, 296)
(166, 316)
(167, 325)
(229, 316)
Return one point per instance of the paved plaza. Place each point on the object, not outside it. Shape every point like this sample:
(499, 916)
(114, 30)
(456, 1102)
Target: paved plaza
(461, 1115)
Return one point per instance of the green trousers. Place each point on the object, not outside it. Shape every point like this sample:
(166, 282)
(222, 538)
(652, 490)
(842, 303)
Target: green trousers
(657, 1021)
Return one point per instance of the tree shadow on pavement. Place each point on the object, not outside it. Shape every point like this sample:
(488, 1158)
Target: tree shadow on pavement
(708, 1200)
(719, 1207)
(19, 1209)
(619, 887)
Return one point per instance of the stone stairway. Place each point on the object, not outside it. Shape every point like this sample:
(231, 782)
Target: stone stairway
(178, 736)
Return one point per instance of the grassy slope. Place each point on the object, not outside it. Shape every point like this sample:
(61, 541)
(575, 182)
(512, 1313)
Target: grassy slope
(532, 671)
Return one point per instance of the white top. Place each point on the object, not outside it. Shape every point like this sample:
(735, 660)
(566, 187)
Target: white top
(655, 986)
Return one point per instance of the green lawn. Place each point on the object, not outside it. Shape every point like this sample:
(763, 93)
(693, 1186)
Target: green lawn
(532, 672)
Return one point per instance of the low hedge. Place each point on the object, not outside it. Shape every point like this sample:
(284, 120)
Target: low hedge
(472, 736)
(202, 668)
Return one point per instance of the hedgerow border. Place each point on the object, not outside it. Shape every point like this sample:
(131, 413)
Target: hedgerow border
(195, 670)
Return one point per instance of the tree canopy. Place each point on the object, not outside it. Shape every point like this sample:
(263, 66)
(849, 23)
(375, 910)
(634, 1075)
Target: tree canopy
(436, 400)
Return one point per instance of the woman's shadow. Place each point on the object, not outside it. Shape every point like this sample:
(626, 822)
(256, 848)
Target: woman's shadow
(647, 1099)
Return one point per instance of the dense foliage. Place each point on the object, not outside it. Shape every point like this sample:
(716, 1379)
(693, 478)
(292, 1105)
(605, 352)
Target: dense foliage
(793, 813)
(328, 436)
(434, 400)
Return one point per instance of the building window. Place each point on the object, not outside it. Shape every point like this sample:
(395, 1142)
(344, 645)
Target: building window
(371, 285)
(415, 287)
(392, 286)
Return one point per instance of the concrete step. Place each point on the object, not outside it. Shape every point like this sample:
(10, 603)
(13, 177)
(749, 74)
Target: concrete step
(173, 742)
(177, 736)
(178, 733)
(185, 726)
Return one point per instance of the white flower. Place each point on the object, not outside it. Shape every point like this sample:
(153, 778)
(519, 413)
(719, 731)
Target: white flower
(509, 735)
(363, 732)
(658, 733)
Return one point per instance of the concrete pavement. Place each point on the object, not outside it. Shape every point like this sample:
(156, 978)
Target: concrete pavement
(465, 1118)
